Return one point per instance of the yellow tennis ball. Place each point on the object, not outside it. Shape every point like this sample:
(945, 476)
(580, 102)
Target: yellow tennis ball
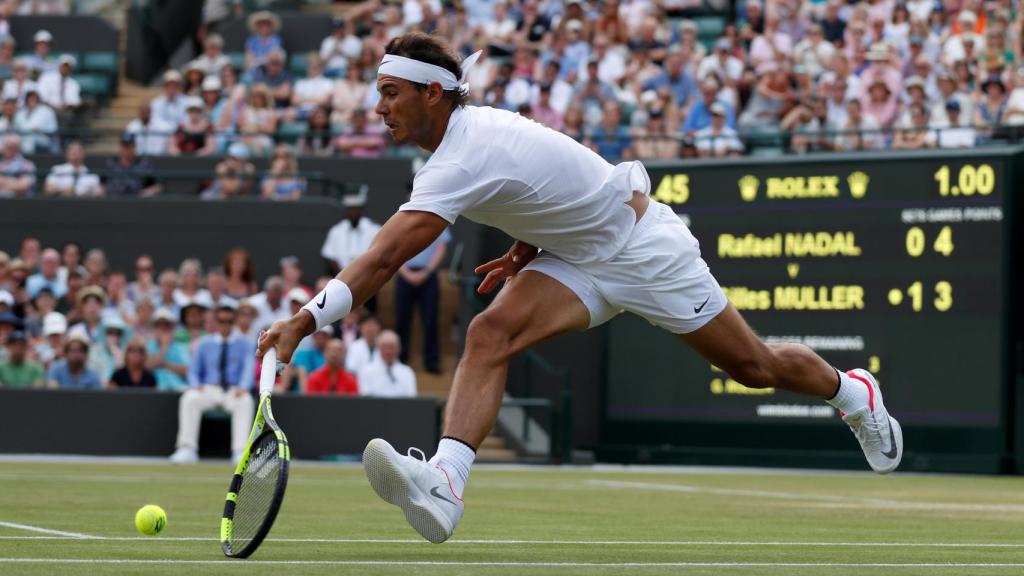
(150, 519)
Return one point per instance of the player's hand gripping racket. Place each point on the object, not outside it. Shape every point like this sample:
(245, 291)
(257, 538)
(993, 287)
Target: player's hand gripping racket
(261, 476)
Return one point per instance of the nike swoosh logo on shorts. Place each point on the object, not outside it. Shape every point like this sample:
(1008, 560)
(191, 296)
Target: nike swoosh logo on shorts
(322, 301)
(697, 309)
(436, 494)
(893, 451)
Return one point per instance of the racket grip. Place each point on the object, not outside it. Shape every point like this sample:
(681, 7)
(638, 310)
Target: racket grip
(268, 372)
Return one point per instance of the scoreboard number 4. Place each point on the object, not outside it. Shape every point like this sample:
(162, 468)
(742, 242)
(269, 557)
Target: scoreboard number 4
(916, 241)
(970, 180)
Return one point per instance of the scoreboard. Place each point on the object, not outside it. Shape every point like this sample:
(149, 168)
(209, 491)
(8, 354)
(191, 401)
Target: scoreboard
(899, 264)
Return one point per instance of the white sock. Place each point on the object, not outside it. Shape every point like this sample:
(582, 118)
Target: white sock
(852, 395)
(455, 458)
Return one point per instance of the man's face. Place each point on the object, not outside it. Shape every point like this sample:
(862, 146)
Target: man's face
(75, 283)
(359, 122)
(194, 317)
(49, 263)
(275, 65)
(43, 49)
(117, 283)
(225, 322)
(369, 330)
(274, 295)
(168, 282)
(403, 108)
(245, 318)
(17, 351)
(353, 214)
(216, 282)
(91, 309)
(76, 353)
(171, 89)
(10, 107)
(334, 353)
(164, 327)
(45, 302)
(388, 351)
(718, 120)
(75, 155)
(320, 340)
(11, 148)
(144, 268)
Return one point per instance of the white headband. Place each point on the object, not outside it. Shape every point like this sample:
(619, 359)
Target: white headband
(423, 73)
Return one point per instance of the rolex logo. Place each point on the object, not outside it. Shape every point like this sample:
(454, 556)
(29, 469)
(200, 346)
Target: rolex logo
(858, 182)
(748, 187)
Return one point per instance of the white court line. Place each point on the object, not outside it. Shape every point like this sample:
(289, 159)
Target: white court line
(835, 500)
(507, 542)
(57, 534)
(516, 564)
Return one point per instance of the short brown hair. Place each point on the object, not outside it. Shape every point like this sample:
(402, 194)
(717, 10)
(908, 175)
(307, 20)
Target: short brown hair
(432, 50)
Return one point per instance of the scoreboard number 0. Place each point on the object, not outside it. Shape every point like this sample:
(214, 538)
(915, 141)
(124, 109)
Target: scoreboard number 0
(969, 180)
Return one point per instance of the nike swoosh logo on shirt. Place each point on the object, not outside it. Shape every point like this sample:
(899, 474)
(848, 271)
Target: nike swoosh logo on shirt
(436, 494)
(697, 309)
(893, 450)
(322, 301)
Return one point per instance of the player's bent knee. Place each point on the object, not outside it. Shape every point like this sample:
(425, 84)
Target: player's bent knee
(488, 336)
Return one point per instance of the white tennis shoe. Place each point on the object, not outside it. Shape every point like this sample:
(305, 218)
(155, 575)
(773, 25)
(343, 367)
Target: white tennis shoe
(879, 434)
(419, 488)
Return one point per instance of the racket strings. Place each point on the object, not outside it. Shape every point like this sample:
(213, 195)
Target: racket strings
(259, 484)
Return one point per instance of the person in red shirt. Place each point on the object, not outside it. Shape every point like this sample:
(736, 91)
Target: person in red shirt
(332, 378)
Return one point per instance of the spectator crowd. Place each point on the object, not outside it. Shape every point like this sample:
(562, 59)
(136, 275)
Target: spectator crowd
(632, 78)
(69, 321)
(657, 79)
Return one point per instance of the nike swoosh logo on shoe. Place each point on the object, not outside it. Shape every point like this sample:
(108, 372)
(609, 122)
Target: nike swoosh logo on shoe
(436, 494)
(894, 450)
(322, 301)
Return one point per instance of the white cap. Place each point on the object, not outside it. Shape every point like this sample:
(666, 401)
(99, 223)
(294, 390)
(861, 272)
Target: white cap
(298, 295)
(172, 76)
(54, 323)
(165, 315)
(718, 109)
(67, 59)
(193, 102)
(328, 329)
(42, 36)
(211, 84)
(227, 303)
(6, 298)
(114, 322)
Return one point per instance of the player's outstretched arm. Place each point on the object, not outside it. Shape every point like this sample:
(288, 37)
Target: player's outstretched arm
(501, 269)
(403, 236)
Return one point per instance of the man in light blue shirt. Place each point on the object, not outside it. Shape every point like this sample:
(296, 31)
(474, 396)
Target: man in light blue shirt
(416, 285)
(72, 373)
(48, 276)
(220, 375)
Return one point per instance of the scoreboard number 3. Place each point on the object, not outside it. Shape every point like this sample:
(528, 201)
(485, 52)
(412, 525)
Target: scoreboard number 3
(969, 180)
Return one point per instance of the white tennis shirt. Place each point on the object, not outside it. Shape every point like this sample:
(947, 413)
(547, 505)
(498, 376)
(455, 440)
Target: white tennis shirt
(535, 184)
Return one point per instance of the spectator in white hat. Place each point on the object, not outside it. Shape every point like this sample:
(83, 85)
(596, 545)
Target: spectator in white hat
(194, 136)
(73, 178)
(38, 123)
(349, 238)
(168, 358)
(60, 90)
(20, 81)
(193, 321)
(169, 106)
(51, 347)
(213, 59)
(41, 60)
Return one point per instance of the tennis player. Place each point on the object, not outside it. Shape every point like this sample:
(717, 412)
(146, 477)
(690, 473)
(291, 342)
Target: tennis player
(590, 244)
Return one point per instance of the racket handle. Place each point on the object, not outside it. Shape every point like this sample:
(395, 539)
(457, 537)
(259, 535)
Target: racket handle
(268, 372)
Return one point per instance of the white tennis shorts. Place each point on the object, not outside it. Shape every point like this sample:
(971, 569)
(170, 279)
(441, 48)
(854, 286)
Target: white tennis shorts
(658, 275)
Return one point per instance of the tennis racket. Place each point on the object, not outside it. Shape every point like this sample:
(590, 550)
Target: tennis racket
(257, 488)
